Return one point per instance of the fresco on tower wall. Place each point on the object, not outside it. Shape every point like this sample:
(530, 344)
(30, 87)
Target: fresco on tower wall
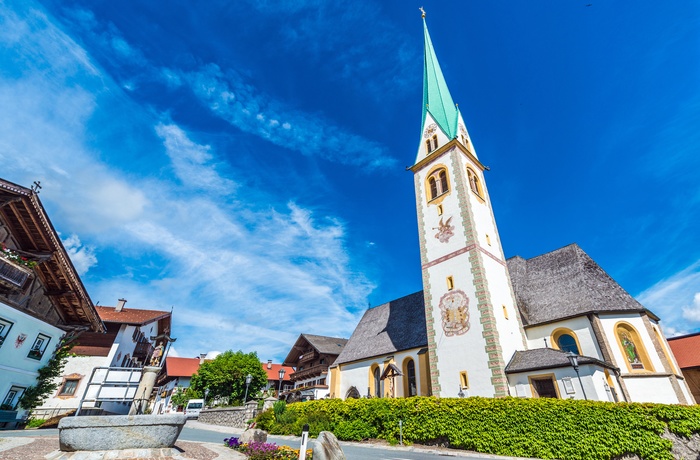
(454, 310)
(445, 230)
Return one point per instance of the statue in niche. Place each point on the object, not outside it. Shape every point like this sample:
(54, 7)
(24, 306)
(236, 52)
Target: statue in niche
(630, 350)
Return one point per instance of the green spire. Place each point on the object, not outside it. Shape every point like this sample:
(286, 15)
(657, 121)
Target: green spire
(436, 96)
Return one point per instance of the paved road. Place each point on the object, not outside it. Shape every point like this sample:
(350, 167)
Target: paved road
(200, 432)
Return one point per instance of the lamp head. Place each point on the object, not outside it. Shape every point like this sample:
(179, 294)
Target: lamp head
(573, 359)
(281, 374)
(248, 379)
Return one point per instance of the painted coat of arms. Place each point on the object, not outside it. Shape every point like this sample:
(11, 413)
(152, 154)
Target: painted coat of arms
(454, 310)
(445, 230)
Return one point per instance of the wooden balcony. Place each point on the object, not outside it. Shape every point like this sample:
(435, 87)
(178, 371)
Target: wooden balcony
(312, 371)
(13, 276)
(143, 351)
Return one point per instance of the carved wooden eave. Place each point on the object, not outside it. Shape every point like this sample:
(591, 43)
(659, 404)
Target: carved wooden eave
(24, 216)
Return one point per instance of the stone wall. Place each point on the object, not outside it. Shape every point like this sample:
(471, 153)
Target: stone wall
(230, 416)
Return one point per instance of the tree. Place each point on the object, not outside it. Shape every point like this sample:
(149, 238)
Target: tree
(181, 396)
(225, 376)
(46, 382)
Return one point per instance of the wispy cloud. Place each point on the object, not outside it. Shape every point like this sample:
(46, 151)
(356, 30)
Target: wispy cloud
(232, 97)
(229, 96)
(676, 300)
(167, 224)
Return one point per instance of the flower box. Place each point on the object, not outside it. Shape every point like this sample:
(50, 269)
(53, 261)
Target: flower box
(12, 275)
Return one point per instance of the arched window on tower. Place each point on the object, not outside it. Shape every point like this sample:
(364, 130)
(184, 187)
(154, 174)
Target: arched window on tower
(438, 183)
(431, 144)
(474, 183)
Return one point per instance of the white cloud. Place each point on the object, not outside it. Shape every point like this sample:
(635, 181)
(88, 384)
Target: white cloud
(83, 257)
(191, 161)
(247, 273)
(676, 300)
(692, 313)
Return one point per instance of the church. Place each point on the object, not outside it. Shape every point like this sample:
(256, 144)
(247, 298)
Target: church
(556, 325)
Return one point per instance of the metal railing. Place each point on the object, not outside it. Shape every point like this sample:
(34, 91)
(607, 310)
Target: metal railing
(111, 384)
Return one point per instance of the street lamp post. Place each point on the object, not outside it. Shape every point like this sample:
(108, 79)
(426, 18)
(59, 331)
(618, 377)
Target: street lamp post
(279, 392)
(206, 394)
(573, 359)
(248, 379)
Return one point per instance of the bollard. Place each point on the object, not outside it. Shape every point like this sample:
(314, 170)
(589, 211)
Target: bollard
(400, 432)
(304, 440)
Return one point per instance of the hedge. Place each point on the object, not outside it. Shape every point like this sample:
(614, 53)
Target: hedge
(542, 428)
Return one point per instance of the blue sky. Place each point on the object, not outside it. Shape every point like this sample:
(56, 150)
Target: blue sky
(244, 163)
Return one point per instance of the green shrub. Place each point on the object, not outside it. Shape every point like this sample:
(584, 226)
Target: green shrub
(265, 420)
(542, 428)
(355, 430)
(35, 423)
(279, 407)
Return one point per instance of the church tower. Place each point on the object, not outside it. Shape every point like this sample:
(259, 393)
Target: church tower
(473, 324)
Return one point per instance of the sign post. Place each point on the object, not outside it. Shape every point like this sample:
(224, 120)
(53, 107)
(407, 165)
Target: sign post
(304, 440)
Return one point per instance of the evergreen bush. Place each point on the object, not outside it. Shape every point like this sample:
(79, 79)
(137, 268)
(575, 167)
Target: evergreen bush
(542, 428)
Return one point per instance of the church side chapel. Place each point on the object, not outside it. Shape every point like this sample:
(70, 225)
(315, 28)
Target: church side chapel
(555, 326)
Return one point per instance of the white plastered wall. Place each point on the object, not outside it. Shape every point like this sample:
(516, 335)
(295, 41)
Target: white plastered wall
(16, 368)
(592, 377)
(356, 374)
(581, 326)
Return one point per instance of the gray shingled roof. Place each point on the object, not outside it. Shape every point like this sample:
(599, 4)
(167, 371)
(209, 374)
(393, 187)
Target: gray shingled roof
(565, 283)
(546, 358)
(395, 326)
(323, 344)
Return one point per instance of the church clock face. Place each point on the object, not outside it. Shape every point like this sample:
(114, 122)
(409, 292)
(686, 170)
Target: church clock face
(454, 309)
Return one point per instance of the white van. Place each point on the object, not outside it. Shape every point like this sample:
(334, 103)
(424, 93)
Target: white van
(193, 407)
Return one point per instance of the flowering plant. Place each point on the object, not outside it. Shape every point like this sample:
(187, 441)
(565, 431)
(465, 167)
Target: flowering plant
(12, 256)
(265, 451)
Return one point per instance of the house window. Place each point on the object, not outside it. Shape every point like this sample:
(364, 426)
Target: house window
(321, 381)
(5, 327)
(450, 283)
(69, 387)
(565, 339)
(474, 183)
(437, 183)
(431, 144)
(39, 346)
(505, 311)
(12, 398)
(633, 350)
(544, 387)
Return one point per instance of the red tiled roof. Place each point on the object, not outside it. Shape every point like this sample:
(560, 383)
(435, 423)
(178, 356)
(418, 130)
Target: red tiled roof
(274, 372)
(686, 349)
(130, 315)
(181, 367)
